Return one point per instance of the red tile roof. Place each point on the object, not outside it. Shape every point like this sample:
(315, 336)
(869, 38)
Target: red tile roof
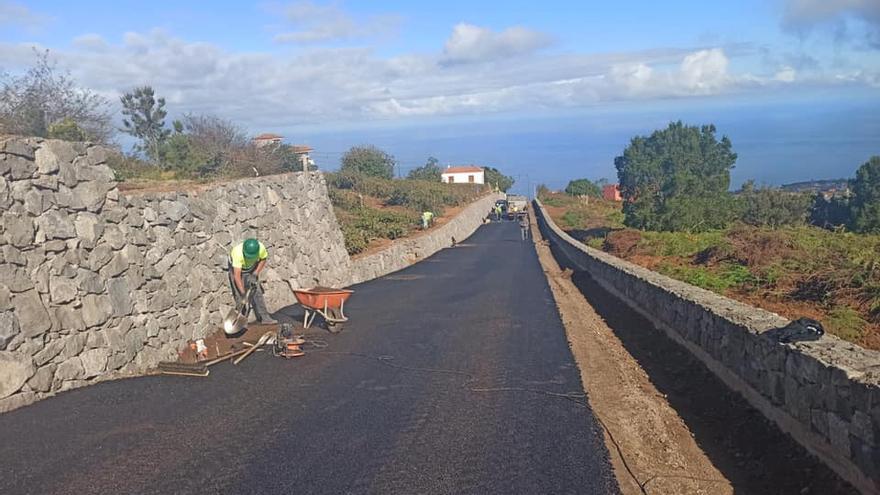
(463, 169)
(301, 148)
(267, 136)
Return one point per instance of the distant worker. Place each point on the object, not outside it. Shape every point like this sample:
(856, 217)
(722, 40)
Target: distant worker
(246, 261)
(427, 219)
(497, 212)
(524, 226)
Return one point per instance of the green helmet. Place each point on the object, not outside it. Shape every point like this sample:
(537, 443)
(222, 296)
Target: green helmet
(251, 249)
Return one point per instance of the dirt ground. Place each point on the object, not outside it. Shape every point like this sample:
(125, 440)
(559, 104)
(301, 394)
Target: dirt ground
(670, 425)
(219, 344)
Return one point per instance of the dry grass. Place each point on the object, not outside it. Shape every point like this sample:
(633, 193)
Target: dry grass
(794, 271)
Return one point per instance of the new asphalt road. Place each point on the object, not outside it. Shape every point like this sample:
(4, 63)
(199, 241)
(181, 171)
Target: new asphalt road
(453, 376)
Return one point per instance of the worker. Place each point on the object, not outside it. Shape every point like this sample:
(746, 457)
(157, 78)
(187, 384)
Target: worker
(247, 260)
(497, 212)
(427, 218)
(524, 226)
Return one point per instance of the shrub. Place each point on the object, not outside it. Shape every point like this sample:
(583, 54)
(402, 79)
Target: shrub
(676, 179)
(846, 323)
(370, 161)
(773, 207)
(582, 187)
(363, 225)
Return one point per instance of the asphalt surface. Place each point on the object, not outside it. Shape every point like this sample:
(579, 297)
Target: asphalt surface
(442, 382)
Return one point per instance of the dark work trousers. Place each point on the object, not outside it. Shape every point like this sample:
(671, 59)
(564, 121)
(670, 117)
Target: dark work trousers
(257, 303)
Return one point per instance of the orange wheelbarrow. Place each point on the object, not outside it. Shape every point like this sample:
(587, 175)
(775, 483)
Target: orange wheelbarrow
(328, 302)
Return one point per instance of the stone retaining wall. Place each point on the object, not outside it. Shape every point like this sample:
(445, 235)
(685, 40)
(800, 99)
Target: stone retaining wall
(826, 394)
(95, 283)
(404, 252)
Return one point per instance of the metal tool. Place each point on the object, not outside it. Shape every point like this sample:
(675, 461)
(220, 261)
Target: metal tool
(260, 343)
(236, 319)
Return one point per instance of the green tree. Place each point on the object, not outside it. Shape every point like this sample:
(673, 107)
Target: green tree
(865, 203)
(67, 130)
(145, 120)
(497, 179)
(766, 206)
(830, 213)
(43, 97)
(582, 187)
(429, 171)
(677, 179)
(368, 160)
(177, 153)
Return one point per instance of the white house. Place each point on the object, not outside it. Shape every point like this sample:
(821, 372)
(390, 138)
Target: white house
(468, 174)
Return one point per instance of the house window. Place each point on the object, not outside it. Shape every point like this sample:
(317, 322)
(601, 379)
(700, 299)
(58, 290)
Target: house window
(471, 179)
(451, 179)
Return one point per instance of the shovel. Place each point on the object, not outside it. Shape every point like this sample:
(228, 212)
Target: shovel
(236, 319)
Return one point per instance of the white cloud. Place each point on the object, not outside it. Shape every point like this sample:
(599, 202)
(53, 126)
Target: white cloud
(469, 43)
(705, 71)
(325, 86)
(16, 14)
(786, 74)
(90, 41)
(846, 20)
(315, 23)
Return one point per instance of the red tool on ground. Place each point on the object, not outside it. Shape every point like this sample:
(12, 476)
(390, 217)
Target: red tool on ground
(326, 301)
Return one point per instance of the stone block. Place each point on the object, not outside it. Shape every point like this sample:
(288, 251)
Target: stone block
(62, 290)
(117, 266)
(96, 310)
(55, 224)
(73, 345)
(95, 339)
(97, 155)
(120, 296)
(94, 361)
(71, 369)
(48, 352)
(18, 147)
(20, 168)
(15, 370)
(67, 174)
(42, 379)
(100, 256)
(88, 228)
(838, 433)
(173, 210)
(49, 183)
(862, 428)
(114, 237)
(33, 202)
(5, 196)
(18, 230)
(89, 281)
(819, 422)
(90, 195)
(9, 328)
(32, 316)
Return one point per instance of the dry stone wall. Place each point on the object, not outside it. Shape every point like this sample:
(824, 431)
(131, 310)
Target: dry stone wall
(406, 251)
(95, 283)
(826, 393)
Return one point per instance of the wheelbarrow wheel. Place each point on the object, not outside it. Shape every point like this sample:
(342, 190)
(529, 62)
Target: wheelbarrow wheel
(334, 326)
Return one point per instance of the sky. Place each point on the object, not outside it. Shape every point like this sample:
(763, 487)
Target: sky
(546, 91)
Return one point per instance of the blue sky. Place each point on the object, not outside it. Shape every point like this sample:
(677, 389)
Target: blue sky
(552, 90)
